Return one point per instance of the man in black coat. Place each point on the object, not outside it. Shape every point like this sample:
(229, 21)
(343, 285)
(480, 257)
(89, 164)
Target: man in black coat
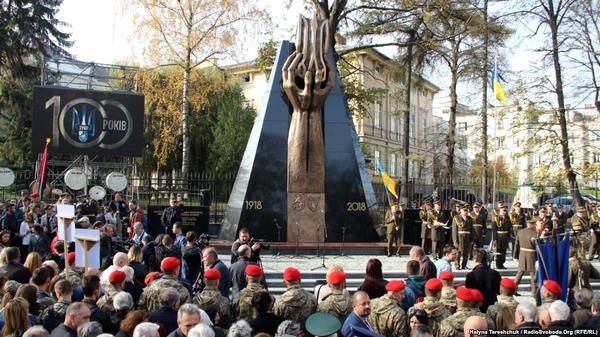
(594, 322)
(559, 314)
(15, 270)
(171, 215)
(484, 279)
(8, 221)
(167, 313)
(238, 270)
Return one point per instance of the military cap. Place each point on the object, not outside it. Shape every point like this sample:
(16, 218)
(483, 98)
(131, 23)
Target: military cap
(71, 257)
(437, 202)
(464, 294)
(291, 274)
(447, 275)
(151, 277)
(477, 204)
(534, 205)
(500, 203)
(434, 284)
(559, 206)
(581, 209)
(322, 324)
(477, 295)
(83, 219)
(508, 283)
(212, 274)
(464, 206)
(169, 263)
(48, 207)
(393, 203)
(428, 202)
(253, 270)
(395, 285)
(532, 220)
(336, 277)
(552, 286)
(542, 210)
(517, 204)
(116, 276)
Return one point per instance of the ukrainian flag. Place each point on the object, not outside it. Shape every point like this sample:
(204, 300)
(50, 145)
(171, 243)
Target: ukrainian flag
(389, 183)
(496, 85)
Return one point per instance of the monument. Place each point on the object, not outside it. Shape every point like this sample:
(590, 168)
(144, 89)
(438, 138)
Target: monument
(303, 177)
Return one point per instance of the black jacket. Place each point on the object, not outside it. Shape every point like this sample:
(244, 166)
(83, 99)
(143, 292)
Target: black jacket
(266, 323)
(165, 316)
(16, 272)
(592, 323)
(487, 281)
(171, 215)
(560, 326)
(139, 272)
(149, 256)
(237, 271)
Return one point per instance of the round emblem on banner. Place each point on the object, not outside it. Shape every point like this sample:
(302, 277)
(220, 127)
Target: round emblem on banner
(97, 193)
(7, 177)
(116, 181)
(75, 178)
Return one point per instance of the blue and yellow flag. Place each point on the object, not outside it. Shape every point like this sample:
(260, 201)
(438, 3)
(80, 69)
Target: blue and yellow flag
(389, 183)
(498, 91)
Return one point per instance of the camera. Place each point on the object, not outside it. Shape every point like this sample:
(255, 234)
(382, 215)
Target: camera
(203, 241)
(262, 243)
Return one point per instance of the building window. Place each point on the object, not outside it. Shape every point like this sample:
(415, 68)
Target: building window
(424, 92)
(247, 78)
(393, 164)
(394, 123)
(378, 114)
(378, 68)
(377, 155)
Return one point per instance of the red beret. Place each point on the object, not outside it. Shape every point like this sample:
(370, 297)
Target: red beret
(508, 283)
(116, 276)
(464, 294)
(169, 263)
(434, 284)
(477, 295)
(336, 277)
(254, 270)
(34, 195)
(552, 286)
(212, 274)
(395, 285)
(447, 275)
(291, 274)
(71, 257)
(151, 277)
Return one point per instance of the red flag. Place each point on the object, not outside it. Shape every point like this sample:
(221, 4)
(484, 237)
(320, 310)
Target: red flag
(42, 178)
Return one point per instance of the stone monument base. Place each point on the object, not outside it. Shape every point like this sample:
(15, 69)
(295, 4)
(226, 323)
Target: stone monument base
(306, 217)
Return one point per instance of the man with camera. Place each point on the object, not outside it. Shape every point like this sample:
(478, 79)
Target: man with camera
(244, 239)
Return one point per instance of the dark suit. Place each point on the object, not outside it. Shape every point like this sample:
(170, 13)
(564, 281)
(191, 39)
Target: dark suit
(165, 316)
(238, 275)
(353, 320)
(16, 272)
(487, 281)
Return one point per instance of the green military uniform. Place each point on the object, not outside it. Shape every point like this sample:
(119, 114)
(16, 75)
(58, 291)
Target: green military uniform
(97, 315)
(74, 277)
(436, 311)
(438, 233)
(295, 304)
(453, 326)
(517, 221)
(105, 302)
(581, 226)
(211, 296)
(461, 234)
(387, 317)
(501, 231)
(595, 227)
(54, 315)
(561, 221)
(149, 299)
(448, 298)
(242, 302)
(337, 304)
(425, 228)
(526, 239)
(503, 301)
(394, 224)
(580, 272)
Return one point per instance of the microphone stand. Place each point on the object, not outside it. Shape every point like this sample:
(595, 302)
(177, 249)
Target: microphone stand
(296, 254)
(342, 253)
(322, 255)
(277, 253)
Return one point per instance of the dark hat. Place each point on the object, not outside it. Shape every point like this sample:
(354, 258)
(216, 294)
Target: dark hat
(581, 209)
(437, 202)
(322, 324)
(517, 204)
(212, 274)
(393, 202)
(559, 206)
(465, 207)
(477, 204)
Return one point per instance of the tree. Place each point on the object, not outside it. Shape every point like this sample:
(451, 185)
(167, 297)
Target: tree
(188, 33)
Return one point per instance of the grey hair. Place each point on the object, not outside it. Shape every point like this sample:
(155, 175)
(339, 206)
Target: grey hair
(189, 309)
(138, 225)
(75, 308)
(129, 273)
(89, 329)
(240, 328)
(168, 297)
(120, 259)
(559, 311)
(287, 327)
(37, 331)
(583, 298)
(201, 330)
(416, 251)
(243, 250)
(145, 329)
(528, 311)
(123, 301)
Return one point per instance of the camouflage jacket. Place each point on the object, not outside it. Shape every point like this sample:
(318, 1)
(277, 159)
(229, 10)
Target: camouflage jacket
(211, 296)
(55, 314)
(149, 299)
(502, 301)
(295, 304)
(449, 298)
(453, 326)
(337, 304)
(387, 317)
(74, 276)
(242, 302)
(436, 311)
(105, 302)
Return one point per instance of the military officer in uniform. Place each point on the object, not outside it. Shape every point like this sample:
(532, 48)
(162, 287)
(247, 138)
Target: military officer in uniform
(501, 231)
(394, 219)
(448, 295)
(387, 317)
(338, 303)
(149, 300)
(517, 219)
(453, 325)
(242, 302)
(437, 312)
(562, 219)
(496, 210)
(438, 233)
(462, 235)
(211, 296)
(527, 242)
(546, 220)
(595, 226)
(508, 288)
(425, 226)
(580, 272)
(535, 211)
(479, 217)
(580, 224)
(295, 303)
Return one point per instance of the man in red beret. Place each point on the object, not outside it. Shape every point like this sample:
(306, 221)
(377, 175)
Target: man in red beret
(436, 310)
(295, 303)
(338, 303)
(454, 325)
(211, 295)
(149, 300)
(242, 302)
(507, 291)
(448, 296)
(387, 317)
(117, 283)
(550, 292)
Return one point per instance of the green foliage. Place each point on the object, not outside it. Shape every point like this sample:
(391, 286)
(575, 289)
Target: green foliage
(503, 174)
(359, 97)
(266, 56)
